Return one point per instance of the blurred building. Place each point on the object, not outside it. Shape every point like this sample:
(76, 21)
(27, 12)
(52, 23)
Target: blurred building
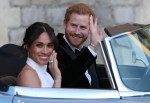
(17, 15)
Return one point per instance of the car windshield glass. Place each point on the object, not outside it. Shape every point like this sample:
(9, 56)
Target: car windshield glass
(131, 51)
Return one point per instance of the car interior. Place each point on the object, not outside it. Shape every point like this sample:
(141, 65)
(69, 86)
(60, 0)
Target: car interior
(12, 56)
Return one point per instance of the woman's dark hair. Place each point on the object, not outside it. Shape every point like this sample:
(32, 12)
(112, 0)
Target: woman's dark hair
(35, 30)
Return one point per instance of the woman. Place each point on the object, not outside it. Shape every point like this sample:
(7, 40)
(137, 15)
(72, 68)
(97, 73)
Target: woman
(40, 42)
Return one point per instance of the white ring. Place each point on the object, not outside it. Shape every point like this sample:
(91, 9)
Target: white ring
(51, 61)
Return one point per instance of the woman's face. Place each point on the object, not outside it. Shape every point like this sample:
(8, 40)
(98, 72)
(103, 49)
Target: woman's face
(41, 49)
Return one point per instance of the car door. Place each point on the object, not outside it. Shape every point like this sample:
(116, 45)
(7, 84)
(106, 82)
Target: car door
(6, 95)
(64, 95)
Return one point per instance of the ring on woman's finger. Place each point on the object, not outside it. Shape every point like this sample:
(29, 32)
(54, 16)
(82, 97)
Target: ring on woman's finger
(51, 61)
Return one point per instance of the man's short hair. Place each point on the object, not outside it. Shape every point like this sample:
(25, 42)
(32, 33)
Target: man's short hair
(79, 8)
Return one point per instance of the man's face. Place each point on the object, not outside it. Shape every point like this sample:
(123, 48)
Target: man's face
(41, 49)
(77, 29)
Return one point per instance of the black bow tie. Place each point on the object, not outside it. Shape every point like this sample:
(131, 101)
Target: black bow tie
(77, 52)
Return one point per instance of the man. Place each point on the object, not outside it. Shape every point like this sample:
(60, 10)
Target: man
(78, 70)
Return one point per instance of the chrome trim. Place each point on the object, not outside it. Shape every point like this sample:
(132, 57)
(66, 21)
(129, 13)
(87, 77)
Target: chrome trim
(120, 85)
(108, 68)
(66, 93)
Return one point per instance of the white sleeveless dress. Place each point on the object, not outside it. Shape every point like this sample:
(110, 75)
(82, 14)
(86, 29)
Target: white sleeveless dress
(45, 78)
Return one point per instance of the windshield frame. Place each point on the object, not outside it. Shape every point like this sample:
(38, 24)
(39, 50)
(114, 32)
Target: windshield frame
(118, 77)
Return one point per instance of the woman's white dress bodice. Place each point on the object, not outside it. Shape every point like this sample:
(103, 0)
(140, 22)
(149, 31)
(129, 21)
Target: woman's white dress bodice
(45, 78)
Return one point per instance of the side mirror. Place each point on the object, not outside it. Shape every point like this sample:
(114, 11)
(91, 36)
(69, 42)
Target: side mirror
(133, 57)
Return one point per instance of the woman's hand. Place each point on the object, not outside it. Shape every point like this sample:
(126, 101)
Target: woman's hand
(53, 67)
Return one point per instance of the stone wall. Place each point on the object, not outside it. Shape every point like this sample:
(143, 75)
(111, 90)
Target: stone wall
(17, 15)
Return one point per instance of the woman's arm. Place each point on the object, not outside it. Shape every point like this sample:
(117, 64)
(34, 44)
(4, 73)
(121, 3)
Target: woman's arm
(28, 78)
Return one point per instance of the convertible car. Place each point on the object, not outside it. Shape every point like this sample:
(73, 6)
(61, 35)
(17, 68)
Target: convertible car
(124, 76)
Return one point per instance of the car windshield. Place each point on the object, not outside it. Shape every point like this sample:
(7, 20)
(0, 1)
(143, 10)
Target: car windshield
(131, 51)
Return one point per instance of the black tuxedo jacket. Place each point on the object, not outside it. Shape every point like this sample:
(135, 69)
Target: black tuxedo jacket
(73, 67)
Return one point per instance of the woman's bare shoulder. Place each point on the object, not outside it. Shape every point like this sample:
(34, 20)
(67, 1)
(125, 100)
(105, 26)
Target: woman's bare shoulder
(28, 77)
